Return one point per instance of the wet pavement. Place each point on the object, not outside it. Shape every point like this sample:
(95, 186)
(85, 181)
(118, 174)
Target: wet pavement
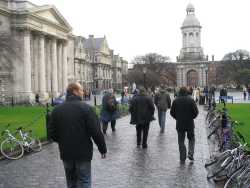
(126, 166)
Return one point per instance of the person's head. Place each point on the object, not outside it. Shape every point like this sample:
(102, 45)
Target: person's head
(75, 89)
(142, 91)
(183, 91)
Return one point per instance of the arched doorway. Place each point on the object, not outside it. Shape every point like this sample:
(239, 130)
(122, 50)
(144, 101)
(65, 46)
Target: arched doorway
(192, 78)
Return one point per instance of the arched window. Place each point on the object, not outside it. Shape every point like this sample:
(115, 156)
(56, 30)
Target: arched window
(185, 34)
(191, 34)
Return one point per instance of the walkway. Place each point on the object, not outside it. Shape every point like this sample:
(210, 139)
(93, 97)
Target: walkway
(126, 165)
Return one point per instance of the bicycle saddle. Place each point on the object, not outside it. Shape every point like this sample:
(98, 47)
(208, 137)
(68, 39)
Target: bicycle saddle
(19, 128)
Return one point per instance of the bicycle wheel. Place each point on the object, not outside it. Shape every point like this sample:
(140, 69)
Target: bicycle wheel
(34, 144)
(222, 156)
(219, 168)
(234, 180)
(12, 149)
(214, 129)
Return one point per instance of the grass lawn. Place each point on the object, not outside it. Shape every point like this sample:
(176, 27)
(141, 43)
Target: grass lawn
(33, 118)
(30, 118)
(241, 113)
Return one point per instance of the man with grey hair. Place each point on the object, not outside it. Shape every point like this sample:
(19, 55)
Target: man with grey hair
(73, 125)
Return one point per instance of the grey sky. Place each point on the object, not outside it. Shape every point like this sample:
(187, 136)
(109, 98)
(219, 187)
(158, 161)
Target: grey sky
(137, 27)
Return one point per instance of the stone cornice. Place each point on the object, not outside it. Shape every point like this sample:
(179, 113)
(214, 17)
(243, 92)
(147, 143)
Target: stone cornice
(191, 26)
(31, 22)
(5, 11)
(48, 22)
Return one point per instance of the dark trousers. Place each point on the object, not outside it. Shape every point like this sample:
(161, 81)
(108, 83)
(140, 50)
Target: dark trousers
(105, 125)
(78, 174)
(142, 128)
(181, 142)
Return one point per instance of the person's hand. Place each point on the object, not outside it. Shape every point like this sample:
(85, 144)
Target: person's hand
(103, 155)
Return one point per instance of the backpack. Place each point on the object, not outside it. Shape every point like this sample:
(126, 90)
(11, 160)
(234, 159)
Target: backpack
(111, 104)
(163, 103)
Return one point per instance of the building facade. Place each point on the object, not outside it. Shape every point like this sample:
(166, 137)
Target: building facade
(46, 54)
(192, 65)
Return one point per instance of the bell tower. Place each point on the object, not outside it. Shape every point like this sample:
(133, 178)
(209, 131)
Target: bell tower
(192, 66)
(191, 37)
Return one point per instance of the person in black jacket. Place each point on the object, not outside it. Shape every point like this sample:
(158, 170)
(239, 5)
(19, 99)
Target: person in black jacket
(184, 110)
(142, 113)
(72, 125)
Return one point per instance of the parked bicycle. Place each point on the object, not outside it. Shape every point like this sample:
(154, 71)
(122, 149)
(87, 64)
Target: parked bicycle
(14, 145)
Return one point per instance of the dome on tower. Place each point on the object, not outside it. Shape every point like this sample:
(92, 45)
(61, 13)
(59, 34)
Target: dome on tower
(190, 20)
(190, 7)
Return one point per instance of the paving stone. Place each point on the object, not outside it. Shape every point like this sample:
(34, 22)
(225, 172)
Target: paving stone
(126, 166)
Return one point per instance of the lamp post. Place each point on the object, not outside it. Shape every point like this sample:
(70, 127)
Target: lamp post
(144, 70)
(206, 70)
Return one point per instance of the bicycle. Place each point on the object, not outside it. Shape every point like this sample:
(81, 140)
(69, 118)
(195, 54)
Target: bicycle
(241, 177)
(227, 163)
(13, 148)
(10, 147)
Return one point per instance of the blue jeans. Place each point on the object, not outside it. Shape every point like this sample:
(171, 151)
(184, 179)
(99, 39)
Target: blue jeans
(78, 173)
(162, 119)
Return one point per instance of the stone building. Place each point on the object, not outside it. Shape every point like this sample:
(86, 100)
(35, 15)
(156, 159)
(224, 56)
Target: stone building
(41, 35)
(82, 68)
(100, 58)
(117, 71)
(192, 65)
(124, 66)
(46, 54)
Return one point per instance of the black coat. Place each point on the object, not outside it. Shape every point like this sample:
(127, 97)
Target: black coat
(184, 110)
(72, 125)
(141, 109)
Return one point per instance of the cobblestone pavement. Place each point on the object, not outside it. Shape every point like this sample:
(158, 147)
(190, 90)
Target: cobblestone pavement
(126, 166)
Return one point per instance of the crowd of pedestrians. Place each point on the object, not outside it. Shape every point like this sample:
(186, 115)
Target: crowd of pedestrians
(74, 124)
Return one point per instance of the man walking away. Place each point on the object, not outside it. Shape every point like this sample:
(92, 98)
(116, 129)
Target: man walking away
(72, 126)
(142, 113)
(109, 111)
(162, 102)
(184, 111)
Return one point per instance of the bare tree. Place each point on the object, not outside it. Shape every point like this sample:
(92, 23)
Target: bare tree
(237, 55)
(150, 58)
(159, 70)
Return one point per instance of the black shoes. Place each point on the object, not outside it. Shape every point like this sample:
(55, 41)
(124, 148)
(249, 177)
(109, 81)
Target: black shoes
(191, 158)
(182, 162)
(144, 146)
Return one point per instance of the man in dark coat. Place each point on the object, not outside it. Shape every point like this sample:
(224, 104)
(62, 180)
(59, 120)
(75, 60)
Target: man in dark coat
(72, 125)
(163, 103)
(142, 113)
(109, 111)
(184, 110)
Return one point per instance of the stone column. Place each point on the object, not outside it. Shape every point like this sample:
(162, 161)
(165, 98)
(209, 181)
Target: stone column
(64, 66)
(42, 80)
(59, 66)
(48, 66)
(185, 77)
(201, 75)
(35, 62)
(26, 65)
(54, 68)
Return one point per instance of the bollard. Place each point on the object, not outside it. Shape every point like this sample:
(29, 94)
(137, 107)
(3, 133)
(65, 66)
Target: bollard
(95, 100)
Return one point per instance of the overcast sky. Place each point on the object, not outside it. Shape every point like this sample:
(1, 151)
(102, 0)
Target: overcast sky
(137, 27)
